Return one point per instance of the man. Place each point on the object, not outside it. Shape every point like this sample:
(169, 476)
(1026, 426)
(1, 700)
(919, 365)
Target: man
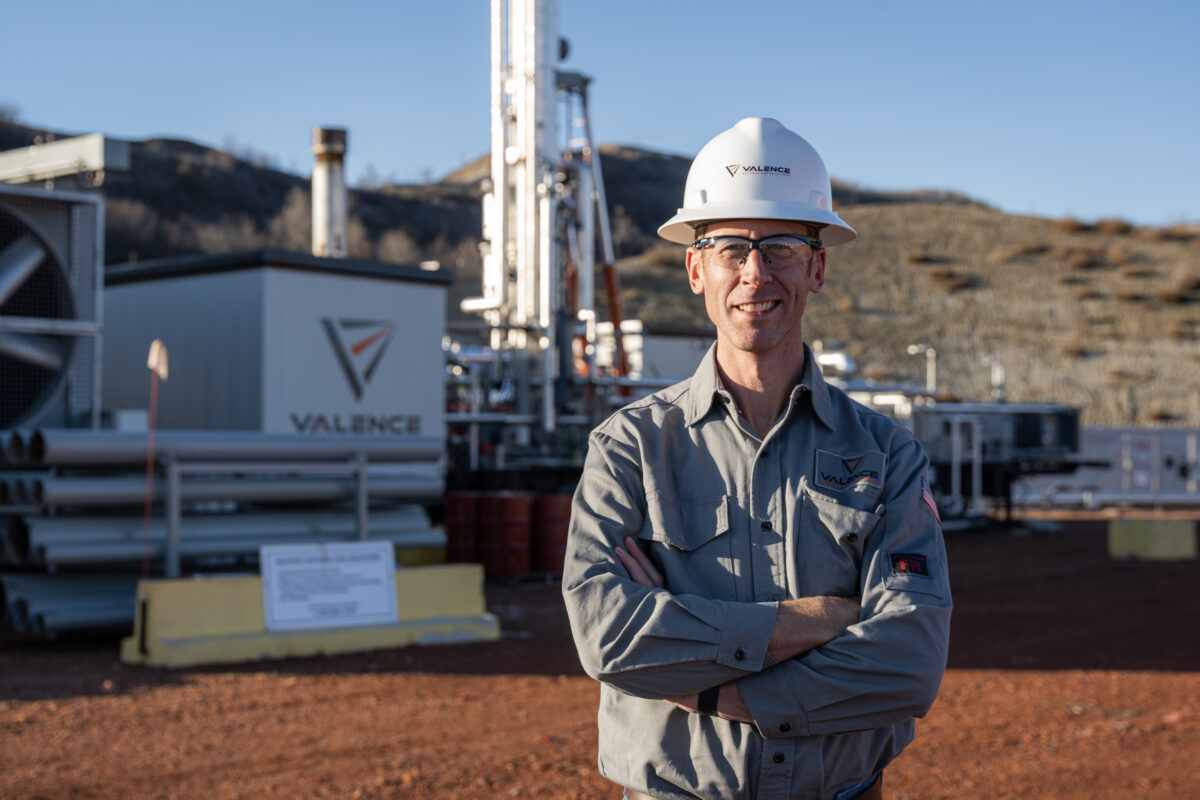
(755, 570)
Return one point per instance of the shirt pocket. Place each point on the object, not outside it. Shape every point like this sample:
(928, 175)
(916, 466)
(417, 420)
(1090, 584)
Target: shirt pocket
(690, 544)
(687, 523)
(829, 547)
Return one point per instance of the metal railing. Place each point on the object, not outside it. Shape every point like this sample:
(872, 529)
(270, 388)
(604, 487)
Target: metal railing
(176, 469)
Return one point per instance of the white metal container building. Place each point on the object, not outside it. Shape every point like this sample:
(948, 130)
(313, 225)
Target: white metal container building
(280, 342)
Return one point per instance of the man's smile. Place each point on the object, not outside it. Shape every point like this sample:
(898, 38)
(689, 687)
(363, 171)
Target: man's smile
(756, 308)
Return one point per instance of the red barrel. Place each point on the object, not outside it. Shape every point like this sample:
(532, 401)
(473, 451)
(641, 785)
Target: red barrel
(551, 515)
(504, 525)
(462, 527)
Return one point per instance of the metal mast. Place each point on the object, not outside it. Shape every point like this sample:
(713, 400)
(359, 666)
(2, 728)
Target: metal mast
(542, 210)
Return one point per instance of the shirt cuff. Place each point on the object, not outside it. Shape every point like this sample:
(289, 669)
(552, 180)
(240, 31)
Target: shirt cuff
(746, 635)
(776, 711)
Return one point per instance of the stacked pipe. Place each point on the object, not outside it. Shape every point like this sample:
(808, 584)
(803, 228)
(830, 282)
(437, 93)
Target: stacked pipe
(48, 605)
(75, 504)
(72, 447)
(82, 541)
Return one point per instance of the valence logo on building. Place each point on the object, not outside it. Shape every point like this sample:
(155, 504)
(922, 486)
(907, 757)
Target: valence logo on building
(359, 345)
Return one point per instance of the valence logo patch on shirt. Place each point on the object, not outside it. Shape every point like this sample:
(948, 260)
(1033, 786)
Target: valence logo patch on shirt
(909, 564)
(839, 472)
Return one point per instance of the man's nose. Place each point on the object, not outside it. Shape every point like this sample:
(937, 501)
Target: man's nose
(754, 268)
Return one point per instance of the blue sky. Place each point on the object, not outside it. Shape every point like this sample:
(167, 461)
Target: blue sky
(1050, 108)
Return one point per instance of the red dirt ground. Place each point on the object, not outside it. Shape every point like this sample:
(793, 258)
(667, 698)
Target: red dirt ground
(1071, 676)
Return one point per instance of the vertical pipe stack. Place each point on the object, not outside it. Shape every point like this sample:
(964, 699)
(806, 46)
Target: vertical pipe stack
(329, 200)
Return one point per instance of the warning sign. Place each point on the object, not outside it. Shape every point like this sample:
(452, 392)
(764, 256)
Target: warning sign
(336, 585)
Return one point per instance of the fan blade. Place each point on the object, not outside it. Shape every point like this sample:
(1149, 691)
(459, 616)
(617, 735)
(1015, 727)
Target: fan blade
(36, 350)
(17, 263)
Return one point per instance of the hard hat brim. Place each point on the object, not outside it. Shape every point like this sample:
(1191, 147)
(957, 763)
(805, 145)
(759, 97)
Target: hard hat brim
(681, 228)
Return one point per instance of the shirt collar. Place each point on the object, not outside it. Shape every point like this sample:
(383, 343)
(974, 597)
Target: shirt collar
(814, 381)
(706, 389)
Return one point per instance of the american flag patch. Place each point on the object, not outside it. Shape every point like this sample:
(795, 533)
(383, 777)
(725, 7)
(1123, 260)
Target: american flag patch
(927, 496)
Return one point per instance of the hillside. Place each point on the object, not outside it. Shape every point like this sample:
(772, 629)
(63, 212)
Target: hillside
(1103, 317)
(1099, 318)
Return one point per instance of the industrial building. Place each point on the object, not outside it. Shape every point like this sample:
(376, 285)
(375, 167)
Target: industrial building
(317, 398)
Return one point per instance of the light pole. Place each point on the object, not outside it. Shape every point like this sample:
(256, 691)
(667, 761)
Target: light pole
(997, 378)
(930, 365)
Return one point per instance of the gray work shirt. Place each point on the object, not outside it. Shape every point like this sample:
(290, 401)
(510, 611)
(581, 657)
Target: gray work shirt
(832, 501)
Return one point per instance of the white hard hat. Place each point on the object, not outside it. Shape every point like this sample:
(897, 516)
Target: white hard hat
(757, 169)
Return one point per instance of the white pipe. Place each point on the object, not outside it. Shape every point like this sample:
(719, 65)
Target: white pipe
(25, 535)
(476, 404)
(21, 492)
(1156, 464)
(549, 302)
(129, 490)
(50, 621)
(361, 504)
(1126, 463)
(68, 447)
(173, 550)
(284, 523)
(22, 593)
(1193, 462)
(329, 199)
(85, 553)
(977, 465)
(14, 446)
(502, 418)
(496, 210)
(7, 556)
(1085, 498)
(522, 154)
(955, 464)
(585, 207)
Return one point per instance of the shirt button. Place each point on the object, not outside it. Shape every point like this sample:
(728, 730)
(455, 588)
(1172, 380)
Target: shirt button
(778, 758)
(785, 727)
(764, 454)
(740, 654)
(852, 537)
(765, 525)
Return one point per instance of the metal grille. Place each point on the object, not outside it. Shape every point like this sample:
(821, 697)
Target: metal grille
(51, 257)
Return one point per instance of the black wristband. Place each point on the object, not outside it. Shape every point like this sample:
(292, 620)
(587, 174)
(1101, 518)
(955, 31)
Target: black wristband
(706, 702)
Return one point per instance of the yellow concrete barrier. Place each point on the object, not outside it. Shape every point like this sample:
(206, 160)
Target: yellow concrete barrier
(214, 620)
(1152, 539)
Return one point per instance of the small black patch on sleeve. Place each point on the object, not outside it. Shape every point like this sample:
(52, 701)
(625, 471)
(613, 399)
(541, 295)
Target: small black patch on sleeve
(909, 564)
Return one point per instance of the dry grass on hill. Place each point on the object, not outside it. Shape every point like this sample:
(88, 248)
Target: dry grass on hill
(1103, 317)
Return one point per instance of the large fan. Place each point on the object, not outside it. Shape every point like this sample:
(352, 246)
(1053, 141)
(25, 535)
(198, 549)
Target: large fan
(39, 328)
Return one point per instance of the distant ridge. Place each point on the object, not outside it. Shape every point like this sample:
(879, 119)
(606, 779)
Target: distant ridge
(1102, 316)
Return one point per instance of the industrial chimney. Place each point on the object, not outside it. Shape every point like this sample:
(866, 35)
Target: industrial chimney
(329, 193)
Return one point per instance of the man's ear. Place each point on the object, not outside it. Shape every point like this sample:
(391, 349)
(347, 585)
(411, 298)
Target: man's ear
(816, 273)
(695, 279)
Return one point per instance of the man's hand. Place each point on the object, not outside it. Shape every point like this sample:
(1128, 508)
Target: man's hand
(801, 624)
(729, 703)
(638, 565)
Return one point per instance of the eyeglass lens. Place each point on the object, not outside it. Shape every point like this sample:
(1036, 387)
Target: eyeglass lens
(777, 251)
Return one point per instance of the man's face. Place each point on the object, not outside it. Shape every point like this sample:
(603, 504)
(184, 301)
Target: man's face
(756, 309)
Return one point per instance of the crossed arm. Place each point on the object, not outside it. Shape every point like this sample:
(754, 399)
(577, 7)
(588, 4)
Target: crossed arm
(800, 625)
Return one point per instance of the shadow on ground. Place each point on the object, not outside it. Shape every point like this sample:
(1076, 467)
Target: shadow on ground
(1023, 600)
